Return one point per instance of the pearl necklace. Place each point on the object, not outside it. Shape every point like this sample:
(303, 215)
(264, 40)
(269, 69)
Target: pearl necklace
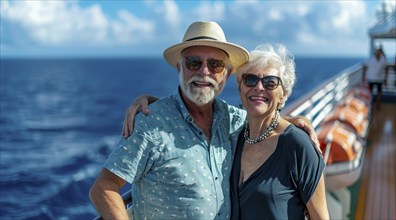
(267, 133)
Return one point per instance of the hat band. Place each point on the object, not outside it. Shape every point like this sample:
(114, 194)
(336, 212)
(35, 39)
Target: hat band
(207, 38)
(200, 38)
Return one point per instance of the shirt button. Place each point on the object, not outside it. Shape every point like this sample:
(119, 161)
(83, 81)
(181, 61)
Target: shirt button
(216, 178)
(200, 133)
(218, 214)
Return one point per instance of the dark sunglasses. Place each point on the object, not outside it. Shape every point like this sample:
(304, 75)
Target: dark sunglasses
(269, 82)
(195, 63)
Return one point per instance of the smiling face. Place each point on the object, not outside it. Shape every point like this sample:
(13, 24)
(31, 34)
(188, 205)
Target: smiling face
(266, 60)
(257, 100)
(201, 74)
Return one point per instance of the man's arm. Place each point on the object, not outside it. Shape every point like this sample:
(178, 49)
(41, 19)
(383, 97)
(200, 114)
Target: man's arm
(105, 196)
(141, 104)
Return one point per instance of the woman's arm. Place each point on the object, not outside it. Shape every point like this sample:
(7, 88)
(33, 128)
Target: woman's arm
(139, 104)
(317, 205)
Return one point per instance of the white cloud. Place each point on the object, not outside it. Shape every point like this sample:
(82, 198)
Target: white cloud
(302, 25)
(302, 10)
(128, 29)
(38, 18)
(306, 25)
(66, 23)
(172, 13)
(346, 19)
(275, 15)
(210, 11)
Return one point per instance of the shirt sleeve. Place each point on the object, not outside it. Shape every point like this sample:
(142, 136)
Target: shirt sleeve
(308, 164)
(132, 157)
(237, 118)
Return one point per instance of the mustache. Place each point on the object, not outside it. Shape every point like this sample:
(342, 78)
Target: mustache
(203, 79)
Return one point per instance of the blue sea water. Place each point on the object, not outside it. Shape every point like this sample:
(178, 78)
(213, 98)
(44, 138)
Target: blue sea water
(60, 119)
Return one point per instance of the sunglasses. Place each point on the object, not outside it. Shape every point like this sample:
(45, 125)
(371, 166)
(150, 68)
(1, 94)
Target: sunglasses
(269, 82)
(195, 63)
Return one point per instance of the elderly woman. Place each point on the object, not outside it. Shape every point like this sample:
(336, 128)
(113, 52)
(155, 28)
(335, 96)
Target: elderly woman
(277, 171)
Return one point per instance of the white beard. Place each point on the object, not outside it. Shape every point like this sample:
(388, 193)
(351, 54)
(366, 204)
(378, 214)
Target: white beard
(200, 96)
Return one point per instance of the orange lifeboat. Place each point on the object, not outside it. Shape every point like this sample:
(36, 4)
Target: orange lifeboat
(356, 103)
(342, 150)
(362, 93)
(350, 116)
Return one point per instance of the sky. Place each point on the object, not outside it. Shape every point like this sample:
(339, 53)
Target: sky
(122, 28)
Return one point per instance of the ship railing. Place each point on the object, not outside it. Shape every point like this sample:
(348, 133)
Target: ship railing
(319, 102)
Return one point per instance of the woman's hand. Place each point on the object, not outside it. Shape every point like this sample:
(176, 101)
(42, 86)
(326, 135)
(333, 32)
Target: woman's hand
(139, 104)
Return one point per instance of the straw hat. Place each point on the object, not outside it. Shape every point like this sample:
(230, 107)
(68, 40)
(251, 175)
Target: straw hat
(206, 34)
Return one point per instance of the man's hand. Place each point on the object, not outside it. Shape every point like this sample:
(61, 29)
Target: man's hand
(139, 104)
(305, 124)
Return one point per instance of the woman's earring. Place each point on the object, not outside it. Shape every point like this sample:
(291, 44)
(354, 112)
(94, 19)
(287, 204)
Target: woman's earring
(279, 107)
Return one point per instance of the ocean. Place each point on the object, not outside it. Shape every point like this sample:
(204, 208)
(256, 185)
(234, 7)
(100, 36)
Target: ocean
(60, 119)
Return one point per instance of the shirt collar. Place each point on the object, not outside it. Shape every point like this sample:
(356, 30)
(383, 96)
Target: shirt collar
(219, 112)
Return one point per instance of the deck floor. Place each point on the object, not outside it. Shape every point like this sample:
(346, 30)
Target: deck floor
(377, 193)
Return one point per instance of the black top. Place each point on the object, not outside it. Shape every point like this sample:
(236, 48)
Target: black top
(281, 187)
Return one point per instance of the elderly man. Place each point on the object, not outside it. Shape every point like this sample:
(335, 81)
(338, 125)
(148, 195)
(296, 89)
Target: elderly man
(179, 157)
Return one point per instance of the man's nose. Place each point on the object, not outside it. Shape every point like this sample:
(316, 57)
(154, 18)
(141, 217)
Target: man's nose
(204, 70)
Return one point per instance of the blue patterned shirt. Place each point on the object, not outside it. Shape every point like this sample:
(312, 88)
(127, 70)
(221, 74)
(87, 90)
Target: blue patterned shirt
(174, 171)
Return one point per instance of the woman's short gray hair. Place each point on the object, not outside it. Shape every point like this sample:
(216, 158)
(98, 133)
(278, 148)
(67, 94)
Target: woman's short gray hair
(268, 55)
